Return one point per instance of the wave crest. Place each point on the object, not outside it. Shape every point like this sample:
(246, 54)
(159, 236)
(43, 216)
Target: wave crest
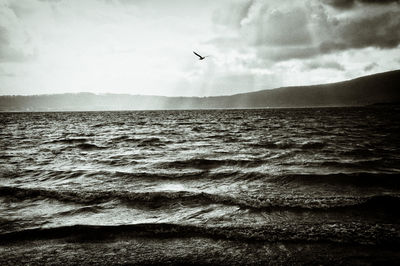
(167, 198)
(331, 232)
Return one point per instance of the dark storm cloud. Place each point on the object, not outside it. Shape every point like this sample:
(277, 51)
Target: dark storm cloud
(379, 1)
(341, 4)
(381, 31)
(281, 31)
(347, 4)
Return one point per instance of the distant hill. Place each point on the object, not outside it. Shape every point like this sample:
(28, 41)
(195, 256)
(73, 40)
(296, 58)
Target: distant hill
(378, 88)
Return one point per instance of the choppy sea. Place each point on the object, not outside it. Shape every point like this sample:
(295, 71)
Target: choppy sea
(318, 175)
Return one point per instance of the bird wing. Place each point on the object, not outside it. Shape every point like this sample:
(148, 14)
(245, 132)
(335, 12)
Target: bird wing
(197, 54)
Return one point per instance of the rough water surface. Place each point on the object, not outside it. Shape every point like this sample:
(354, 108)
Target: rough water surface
(290, 183)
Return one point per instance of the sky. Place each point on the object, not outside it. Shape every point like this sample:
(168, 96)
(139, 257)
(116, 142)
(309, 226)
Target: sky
(146, 46)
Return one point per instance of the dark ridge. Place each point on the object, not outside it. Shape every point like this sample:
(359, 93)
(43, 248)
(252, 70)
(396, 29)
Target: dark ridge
(368, 90)
(386, 104)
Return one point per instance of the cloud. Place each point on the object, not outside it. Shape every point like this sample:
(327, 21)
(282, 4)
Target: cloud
(134, 46)
(282, 32)
(341, 4)
(379, 31)
(300, 36)
(232, 14)
(275, 30)
(261, 23)
(370, 66)
(279, 42)
(348, 4)
(276, 27)
(378, 1)
(15, 41)
(9, 52)
(282, 54)
(324, 64)
(5, 73)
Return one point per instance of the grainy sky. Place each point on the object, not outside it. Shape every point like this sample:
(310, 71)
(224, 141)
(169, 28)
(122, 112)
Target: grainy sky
(145, 46)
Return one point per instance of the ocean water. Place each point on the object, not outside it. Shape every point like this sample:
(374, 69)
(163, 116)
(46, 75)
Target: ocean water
(273, 175)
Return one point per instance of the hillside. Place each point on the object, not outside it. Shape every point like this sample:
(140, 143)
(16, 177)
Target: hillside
(377, 88)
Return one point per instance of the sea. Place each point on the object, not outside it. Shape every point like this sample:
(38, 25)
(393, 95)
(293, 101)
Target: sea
(273, 186)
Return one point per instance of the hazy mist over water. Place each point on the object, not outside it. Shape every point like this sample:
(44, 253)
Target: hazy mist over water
(367, 90)
(328, 174)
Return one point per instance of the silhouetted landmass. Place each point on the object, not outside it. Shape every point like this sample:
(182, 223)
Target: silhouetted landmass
(380, 88)
(386, 104)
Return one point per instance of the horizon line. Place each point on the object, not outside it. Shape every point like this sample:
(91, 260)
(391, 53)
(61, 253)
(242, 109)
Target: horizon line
(210, 96)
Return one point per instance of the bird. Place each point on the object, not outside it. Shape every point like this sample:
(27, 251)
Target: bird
(200, 57)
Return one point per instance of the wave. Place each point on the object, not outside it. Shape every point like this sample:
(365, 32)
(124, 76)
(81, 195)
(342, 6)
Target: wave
(167, 198)
(272, 145)
(200, 174)
(308, 145)
(89, 146)
(99, 125)
(85, 209)
(208, 164)
(117, 162)
(9, 172)
(69, 141)
(151, 142)
(119, 138)
(123, 138)
(129, 176)
(360, 179)
(313, 145)
(108, 124)
(359, 152)
(198, 129)
(353, 164)
(329, 232)
(80, 143)
(167, 176)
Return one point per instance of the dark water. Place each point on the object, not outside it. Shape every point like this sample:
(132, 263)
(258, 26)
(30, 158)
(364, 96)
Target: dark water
(303, 175)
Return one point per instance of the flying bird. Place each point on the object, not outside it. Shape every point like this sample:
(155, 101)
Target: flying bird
(200, 57)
